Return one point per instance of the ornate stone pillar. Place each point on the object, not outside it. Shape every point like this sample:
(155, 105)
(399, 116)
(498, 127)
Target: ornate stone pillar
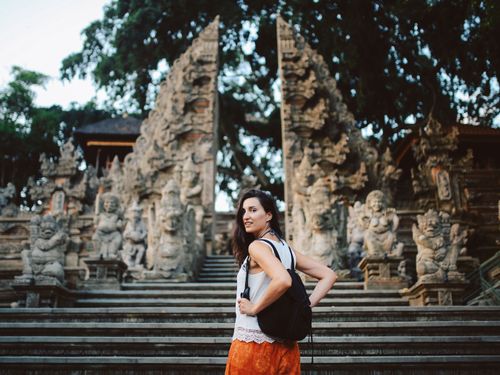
(178, 140)
(323, 150)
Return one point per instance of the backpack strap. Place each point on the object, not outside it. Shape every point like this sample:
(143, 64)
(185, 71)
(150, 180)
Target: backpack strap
(276, 252)
(248, 271)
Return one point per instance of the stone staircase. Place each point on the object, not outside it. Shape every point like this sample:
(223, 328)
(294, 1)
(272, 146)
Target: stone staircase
(218, 268)
(186, 328)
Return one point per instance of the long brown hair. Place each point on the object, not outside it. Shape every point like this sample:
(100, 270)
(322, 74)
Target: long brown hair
(242, 239)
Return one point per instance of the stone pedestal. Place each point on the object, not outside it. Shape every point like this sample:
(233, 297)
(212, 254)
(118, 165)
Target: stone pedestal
(42, 293)
(74, 277)
(382, 273)
(436, 293)
(105, 273)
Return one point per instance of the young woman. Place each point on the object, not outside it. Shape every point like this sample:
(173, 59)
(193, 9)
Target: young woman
(253, 352)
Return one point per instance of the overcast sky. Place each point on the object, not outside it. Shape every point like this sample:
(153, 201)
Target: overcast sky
(38, 34)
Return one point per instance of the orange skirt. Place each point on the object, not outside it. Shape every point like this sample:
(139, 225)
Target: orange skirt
(267, 358)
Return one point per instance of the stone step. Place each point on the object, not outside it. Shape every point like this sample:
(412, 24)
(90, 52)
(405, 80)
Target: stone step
(219, 346)
(217, 274)
(209, 295)
(360, 365)
(209, 262)
(217, 266)
(230, 285)
(219, 259)
(226, 314)
(220, 264)
(226, 302)
(215, 279)
(395, 328)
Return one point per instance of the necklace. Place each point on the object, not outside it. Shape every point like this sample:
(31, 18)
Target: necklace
(266, 232)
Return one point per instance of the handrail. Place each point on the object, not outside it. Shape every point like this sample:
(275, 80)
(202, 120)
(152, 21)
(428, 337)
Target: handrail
(484, 285)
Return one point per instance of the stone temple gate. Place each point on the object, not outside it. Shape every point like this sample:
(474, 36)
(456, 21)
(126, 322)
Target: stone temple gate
(153, 217)
(124, 274)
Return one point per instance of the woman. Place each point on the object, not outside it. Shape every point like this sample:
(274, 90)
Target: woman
(253, 352)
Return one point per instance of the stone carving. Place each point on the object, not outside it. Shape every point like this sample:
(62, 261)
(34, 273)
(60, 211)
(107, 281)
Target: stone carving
(65, 166)
(355, 238)
(134, 183)
(63, 189)
(108, 224)
(439, 246)
(381, 224)
(178, 142)
(172, 235)
(433, 153)
(443, 185)
(7, 195)
(113, 180)
(191, 188)
(191, 182)
(44, 260)
(320, 141)
(322, 223)
(387, 175)
(135, 235)
(373, 248)
(181, 126)
(301, 193)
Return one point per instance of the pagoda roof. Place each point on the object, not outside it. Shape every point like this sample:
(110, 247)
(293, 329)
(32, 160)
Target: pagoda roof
(114, 126)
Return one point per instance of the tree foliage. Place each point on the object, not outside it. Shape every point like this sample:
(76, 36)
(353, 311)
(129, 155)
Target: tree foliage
(395, 62)
(26, 131)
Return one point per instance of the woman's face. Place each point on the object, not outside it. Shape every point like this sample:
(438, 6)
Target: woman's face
(255, 218)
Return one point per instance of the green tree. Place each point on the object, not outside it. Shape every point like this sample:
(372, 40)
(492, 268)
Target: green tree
(26, 131)
(18, 116)
(395, 62)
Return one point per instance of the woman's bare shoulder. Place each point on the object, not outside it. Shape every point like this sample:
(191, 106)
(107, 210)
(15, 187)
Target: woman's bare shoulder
(258, 247)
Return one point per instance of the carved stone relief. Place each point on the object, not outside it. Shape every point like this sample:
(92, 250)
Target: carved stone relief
(135, 236)
(108, 223)
(63, 189)
(381, 224)
(171, 239)
(320, 142)
(178, 138)
(44, 259)
(434, 153)
(439, 244)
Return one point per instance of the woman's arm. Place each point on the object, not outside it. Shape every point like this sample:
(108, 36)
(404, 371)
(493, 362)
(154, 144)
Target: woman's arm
(325, 275)
(280, 279)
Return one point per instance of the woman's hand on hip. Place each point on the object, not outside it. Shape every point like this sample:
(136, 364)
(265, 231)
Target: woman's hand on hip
(246, 307)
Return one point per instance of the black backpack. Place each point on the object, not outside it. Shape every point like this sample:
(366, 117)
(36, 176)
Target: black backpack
(290, 316)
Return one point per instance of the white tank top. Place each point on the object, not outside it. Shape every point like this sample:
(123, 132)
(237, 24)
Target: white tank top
(246, 327)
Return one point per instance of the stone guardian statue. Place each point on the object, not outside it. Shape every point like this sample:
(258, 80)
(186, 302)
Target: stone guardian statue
(438, 248)
(169, 254)
(381, 224)
(108, 223)
(44, 260)
(135, 235)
